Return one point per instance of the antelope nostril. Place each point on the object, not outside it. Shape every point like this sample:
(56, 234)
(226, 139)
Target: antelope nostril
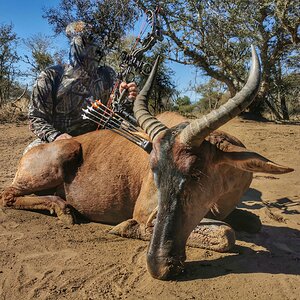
(164, 268)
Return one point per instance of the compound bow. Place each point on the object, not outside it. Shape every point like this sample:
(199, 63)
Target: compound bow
(116, 114)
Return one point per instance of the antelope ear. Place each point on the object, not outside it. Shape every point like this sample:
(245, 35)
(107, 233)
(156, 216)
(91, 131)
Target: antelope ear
(246, 160)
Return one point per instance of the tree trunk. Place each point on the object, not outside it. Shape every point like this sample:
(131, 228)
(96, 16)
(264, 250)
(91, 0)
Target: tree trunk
(281, 96)
(257, 106)
(273, 110)
(284, 109)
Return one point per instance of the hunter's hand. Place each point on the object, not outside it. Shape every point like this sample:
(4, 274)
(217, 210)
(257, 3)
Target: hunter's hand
(131, 88)
(63, 136)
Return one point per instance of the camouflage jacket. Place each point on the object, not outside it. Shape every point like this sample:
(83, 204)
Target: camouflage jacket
(58, 96)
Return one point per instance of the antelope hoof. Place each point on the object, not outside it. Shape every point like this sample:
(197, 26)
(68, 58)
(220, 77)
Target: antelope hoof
(129, 228)
(212, 235)
(64, 214)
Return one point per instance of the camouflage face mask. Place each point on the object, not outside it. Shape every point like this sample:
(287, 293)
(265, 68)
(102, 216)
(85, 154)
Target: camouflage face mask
(84, 49)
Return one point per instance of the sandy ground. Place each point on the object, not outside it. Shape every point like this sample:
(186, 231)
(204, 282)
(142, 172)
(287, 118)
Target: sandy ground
(41, 259)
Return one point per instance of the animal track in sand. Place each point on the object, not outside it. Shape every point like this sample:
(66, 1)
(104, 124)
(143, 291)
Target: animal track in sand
(123, 278)
(36, 272)
(7, 229)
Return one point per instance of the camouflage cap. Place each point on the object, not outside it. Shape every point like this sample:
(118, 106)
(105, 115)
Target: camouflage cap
(78, 28)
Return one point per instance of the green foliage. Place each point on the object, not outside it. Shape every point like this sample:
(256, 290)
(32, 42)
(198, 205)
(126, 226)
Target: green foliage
(43, 59)
(213, 95)
(43, 54)
(290, 87)
(184, 105)
(183, 101)
(164, 89)
(216, 36)
(109, 18)
(8, 60)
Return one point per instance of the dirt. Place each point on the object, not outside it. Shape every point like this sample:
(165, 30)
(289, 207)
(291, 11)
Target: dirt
(42, 259)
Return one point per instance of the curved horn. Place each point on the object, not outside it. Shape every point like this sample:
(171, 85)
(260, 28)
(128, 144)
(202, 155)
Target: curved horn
(195, 133)
(140, 108)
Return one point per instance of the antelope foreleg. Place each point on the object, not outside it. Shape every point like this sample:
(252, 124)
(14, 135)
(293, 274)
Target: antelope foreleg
(53, 204)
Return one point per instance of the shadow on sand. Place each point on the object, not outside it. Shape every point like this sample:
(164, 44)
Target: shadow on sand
(252, 200)
(279, 247)
(280, 256)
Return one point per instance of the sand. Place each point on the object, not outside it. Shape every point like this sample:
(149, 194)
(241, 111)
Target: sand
(42, 259)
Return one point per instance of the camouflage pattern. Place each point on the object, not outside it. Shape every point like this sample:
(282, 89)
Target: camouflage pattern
(60, 92)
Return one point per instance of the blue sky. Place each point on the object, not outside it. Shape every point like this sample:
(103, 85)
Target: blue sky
(26, 17)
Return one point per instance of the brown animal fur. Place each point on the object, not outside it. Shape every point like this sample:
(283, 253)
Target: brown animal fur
(107, 179)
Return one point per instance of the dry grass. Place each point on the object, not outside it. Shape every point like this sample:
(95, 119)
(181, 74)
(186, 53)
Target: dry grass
(12, 112)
